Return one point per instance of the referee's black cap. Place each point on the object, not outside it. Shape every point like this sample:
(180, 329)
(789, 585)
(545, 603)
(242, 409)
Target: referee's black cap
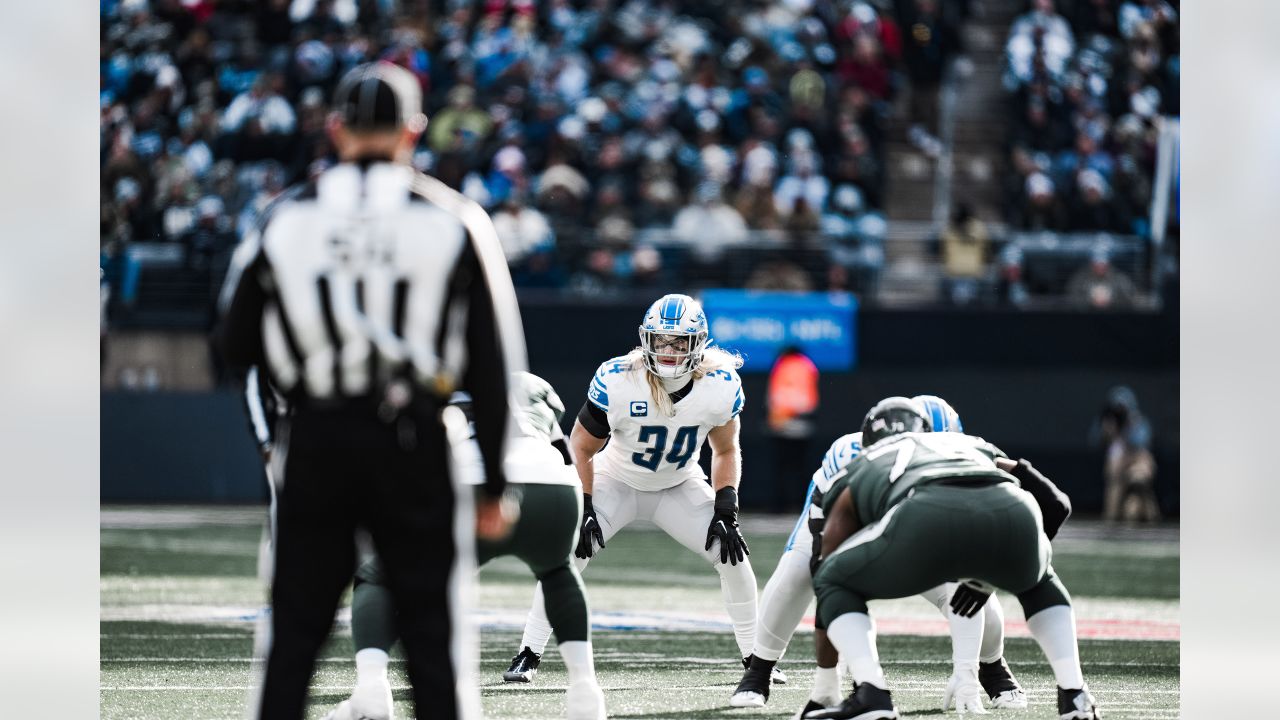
(379, 96)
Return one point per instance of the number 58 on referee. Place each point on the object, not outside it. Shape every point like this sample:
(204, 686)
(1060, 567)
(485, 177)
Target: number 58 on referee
(368, 296)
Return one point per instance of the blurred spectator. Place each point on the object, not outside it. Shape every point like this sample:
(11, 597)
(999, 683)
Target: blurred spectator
(1091, 207)
(856, 162)
(211, 234)
(258, 122)
(802, 181)
(1011, 289)
(791, 403)
(1040, 42)
(867, 68)
(1042, 208)
(931, 40)
(140, 223)
(1099, 286)
(965, 244)
(1129, 470)
(708, 226)
(522, 230)
(540, 269)
(840, 222)
(461, 126)
(779, 273)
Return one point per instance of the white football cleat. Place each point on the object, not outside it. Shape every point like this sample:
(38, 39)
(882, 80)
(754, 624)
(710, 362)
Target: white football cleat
(371, 700)
(584, 701)
(1010, 700)
(1001, 686)
(963, 689)
(748, 699)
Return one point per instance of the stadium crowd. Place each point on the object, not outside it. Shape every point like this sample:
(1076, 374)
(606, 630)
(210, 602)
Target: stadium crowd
(1087, 81)
(580, 124)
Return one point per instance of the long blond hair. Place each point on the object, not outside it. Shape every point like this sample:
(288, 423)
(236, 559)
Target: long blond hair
(713, 358)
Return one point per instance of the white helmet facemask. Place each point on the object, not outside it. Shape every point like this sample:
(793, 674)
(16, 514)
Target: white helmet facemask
(673, 336)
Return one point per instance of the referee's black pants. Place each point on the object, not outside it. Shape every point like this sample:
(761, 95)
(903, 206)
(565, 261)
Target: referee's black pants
(345, 469)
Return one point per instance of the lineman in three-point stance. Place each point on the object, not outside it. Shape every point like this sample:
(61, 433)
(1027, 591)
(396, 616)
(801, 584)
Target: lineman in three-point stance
(918, 508)
(977, 641)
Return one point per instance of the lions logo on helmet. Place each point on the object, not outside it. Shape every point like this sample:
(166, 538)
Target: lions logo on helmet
(673, 336)
(942, 416)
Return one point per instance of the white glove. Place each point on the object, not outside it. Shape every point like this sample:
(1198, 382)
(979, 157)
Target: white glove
(964, 691)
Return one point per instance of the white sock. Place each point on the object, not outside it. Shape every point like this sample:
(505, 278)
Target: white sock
(992, 631)
(738, 586)
(782, 604)
(826, 684)
(966, 637)
(854, 636)
(579, 660)
(371, 665)
(537, 629)
(1055, 629)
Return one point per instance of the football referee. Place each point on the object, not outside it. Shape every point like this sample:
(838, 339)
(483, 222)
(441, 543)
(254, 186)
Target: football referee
(368, 296)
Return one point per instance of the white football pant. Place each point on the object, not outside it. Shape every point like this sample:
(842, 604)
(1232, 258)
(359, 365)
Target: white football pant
(790, 590)
(684, 513)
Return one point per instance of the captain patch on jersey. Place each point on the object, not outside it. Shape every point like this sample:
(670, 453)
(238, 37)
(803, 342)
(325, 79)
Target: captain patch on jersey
(649, 449)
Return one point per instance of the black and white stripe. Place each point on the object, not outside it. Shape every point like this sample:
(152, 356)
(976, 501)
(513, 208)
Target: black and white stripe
(372, 274)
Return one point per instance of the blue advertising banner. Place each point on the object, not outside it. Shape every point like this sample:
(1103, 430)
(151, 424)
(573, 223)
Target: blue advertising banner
(759, 323)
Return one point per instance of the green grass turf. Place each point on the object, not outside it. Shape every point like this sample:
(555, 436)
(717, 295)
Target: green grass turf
(162, 670)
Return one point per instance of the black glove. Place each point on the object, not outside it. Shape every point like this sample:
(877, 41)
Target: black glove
(816, 522)
(1055, 506)
(590, 527)
(815, 553)
(969, 597)
(724, 527)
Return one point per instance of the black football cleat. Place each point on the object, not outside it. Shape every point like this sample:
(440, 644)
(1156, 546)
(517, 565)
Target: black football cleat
(1001, 686)
(811, 706)
(523, 666)
(1077, 705)
(867, 702)
(776, 675)
(753, 690)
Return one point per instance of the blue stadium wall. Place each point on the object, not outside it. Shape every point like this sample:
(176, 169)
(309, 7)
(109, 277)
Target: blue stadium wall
(1033, 383)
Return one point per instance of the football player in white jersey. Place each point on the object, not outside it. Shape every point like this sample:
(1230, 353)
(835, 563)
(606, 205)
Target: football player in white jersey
(977, 641)
(635, 447)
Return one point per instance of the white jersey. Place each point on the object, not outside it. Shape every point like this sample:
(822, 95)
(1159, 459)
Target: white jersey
(647, 449)
(841, 452)
(529, 461)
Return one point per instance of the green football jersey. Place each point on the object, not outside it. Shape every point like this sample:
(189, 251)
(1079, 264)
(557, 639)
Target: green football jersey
(885, 472)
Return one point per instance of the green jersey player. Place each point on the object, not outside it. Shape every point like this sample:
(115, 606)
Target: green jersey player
(916, 509)
(538, 464)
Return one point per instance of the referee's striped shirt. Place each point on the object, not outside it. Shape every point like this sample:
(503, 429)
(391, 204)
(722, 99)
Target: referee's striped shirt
(370, 273)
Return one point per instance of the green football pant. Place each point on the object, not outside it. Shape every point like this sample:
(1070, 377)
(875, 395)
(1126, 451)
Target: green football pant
(939, 534)
(543, 539)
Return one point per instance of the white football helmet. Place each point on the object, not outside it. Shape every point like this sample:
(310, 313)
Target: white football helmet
(673, 336)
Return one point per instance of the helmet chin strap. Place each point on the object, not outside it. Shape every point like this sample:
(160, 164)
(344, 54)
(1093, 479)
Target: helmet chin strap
(672, 384)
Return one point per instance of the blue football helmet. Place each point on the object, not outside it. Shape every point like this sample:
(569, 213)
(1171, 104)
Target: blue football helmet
(673, 336)
(942, 416)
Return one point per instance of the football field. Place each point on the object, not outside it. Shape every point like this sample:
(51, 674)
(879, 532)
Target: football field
(179, 595)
